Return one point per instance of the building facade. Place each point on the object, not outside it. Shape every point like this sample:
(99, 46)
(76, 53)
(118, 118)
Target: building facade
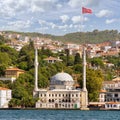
(52, 59)
(5, 97)
(11, 74)
(61, 93)
(111, 94)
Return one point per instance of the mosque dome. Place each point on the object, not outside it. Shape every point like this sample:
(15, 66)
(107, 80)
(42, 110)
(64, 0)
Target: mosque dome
(62, 77)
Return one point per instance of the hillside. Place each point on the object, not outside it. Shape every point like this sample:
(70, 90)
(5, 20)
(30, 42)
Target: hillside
(80, 37)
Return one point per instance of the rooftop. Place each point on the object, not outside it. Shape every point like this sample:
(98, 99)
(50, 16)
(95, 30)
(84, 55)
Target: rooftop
(2, 88)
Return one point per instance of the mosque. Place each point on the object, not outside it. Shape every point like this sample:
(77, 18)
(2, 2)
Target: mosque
(61, 93)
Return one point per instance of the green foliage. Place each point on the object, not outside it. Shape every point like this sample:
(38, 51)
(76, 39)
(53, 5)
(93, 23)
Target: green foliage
(45, 52)
(78, 68)
(12, 53)
(8, 57)
(77, 59)
(97, 62)
(22, 90)
(94, 80)
(113, 59)
(5, 61)
(26, 57)
(94, 84)
(95, 36)
(3, 40)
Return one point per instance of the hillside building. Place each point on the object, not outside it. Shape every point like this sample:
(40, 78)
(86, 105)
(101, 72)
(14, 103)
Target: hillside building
(52, 59)
(5, 97)
(12, 74)
(110, 94)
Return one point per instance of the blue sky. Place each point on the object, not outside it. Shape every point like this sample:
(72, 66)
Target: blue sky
(58, 17)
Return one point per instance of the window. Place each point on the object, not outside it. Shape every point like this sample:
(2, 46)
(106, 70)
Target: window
(115, 105)
(50, 61)
(116, 95)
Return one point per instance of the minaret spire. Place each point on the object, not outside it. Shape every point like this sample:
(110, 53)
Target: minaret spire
(84, 69)
(36, 69)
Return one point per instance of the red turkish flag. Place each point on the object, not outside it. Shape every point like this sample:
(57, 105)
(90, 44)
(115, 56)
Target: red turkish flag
(86, 10)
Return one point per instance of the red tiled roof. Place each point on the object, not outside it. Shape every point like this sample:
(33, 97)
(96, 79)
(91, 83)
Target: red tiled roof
(108, 82)
(116, 79)
(102, 90)
(17, 69)
(52, 58)
(112, 102)
(2, 88)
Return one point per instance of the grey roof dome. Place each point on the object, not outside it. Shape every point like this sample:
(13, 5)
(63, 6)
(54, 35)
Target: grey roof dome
(62, 77)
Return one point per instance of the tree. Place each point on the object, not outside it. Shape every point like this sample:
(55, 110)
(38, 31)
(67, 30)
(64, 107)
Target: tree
(94, 80)
(14, 103)
(5, 61)
(22, 90)
(12, 53)
(78, 68)
(97, 62)
(3, 40)
(42, 81)
(67, 56)
(77, 59)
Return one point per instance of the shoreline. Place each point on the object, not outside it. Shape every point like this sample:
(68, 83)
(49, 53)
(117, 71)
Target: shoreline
(91, 109)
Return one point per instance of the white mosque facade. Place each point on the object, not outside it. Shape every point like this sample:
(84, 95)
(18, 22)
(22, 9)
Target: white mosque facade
(61, 93)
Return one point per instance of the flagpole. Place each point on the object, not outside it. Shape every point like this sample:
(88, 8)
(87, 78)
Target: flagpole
(84, 52)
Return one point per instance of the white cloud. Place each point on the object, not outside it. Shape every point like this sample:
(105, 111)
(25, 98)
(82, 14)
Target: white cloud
(44, 5)
(18, 25)
(10, 8)
(79, 3)
(44, 23)
(92, 2)
(64, 18)
(78, 19)
(63, 27)
(52, 25)
(71, 26)
(104, 13)
(110, 21)
(74, 3)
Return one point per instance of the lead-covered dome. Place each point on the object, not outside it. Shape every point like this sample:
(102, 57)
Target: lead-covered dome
(62, 77)
(61, 81)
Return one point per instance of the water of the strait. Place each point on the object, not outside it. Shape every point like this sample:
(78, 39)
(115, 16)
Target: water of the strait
(58, 115)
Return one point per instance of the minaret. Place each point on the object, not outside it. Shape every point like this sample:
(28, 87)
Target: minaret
(84, 95)
(84, 69)
(36, 70)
